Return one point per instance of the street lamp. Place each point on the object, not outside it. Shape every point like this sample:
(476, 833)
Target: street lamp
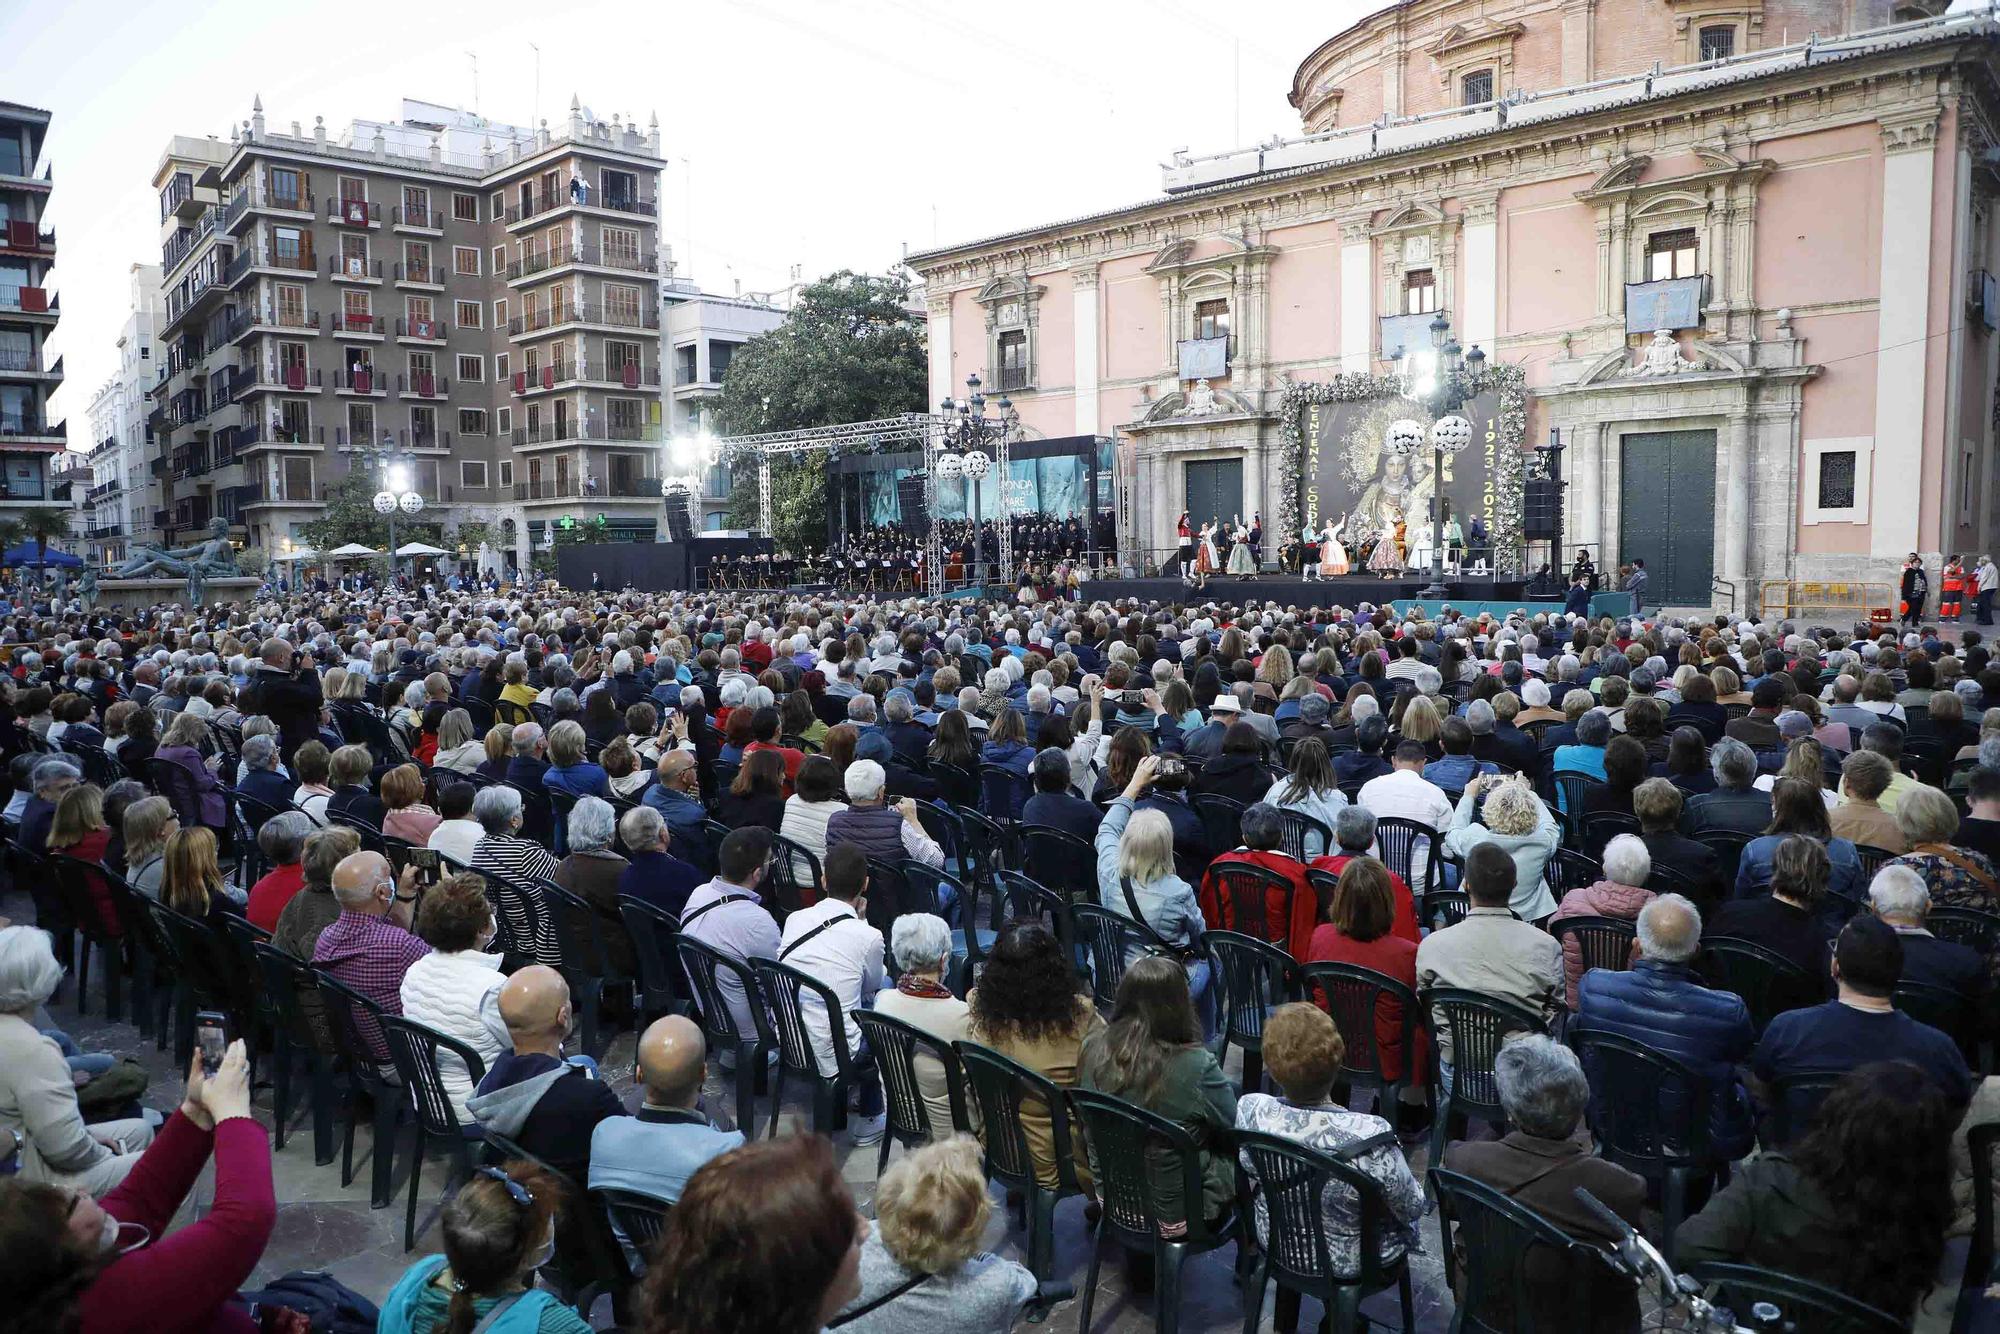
(973, 442)
(687, 458)
(396, 496)
(1452, 379)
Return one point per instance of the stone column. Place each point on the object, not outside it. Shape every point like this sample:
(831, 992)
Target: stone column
(1738, 509)
(1479, 318)
(938, 334)
(1083, 278)
(1586, 508)
(1909, 147)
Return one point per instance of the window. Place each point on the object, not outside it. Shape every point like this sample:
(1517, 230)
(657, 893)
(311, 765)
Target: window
(472, 421)
(500, 314)
(465, 259)
(424, 432)
(1836, 479)
(503, 421)
(288, 247)
(464, 207)
(1718, 43)
(1475, 88)
(500, 364)
(417, 261)
(290, 300)
(499, 259)
(471, 472)
(287, 188)
(1670, 254)
(1420, 293)
(470, 314)
(291, 357)
(506, 472)
(417, 310)
(619, 189)
(618, 356)
(361, 423)
(355, 312)
(625, 418)
(1013, 359)
(621, 306)
(684, 364)
(416, 205)
(1211, 319)
(353, 187)
(354, 254)
(621, 247)
(472, 370)
(298, 478)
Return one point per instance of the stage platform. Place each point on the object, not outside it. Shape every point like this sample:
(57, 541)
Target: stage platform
(1473, 596)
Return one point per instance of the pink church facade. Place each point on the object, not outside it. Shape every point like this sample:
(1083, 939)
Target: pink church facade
(1741, 252)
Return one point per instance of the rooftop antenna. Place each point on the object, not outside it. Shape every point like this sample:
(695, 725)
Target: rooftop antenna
(475, 81)
(538, 81)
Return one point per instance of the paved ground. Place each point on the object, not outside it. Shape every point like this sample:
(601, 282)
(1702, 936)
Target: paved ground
(322, 1225)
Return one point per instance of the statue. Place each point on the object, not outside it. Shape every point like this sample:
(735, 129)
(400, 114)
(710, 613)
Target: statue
(1661, 357)
(1201, 401)
(197, 564)
(58, 586)
(86, 588)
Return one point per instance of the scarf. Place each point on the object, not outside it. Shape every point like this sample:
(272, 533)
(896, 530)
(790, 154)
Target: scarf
(923, 988)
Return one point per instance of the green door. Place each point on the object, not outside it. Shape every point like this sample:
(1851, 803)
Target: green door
(1215, 493)
(1667, 513)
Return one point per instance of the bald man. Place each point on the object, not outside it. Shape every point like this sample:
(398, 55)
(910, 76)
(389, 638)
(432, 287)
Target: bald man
(656, 1151)
(369, 947)
(532, 1095)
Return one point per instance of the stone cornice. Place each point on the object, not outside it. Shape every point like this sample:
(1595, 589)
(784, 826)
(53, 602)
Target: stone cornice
(1902, 82)
(1912, 130)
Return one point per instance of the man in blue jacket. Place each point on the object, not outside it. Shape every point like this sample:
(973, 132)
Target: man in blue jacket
(1661, 1003)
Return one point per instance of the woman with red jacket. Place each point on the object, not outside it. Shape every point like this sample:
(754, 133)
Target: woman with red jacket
(1357, 931)
(111, 1267)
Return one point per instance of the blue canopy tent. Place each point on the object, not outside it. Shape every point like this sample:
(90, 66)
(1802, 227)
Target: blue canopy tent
(26, 554)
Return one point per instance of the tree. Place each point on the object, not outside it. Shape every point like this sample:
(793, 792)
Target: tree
(43, 522)
(350, 517)
(849, 350)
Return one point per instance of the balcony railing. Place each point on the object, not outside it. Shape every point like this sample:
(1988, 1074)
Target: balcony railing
(429, 274)
(295, 378)
(25, 426)
(13, 360)
(247, 320)
(360, 380)
(1012, 377)
(354, 212)
(548, 488)
(104, 531)
(268, 433)
(541, 201)
(251, 257)
(353, 322)
(593, 429)
(423, 386)
(585, 312)
(631, 375)
(27, 300)
(429, 331)
(353, 270)
(407, 216)
(583, 253)
(179, 191)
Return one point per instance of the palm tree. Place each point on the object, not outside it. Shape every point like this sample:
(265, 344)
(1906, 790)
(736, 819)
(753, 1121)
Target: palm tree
(43, 522)
(12, 534)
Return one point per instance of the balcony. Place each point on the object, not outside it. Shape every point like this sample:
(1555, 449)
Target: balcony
(419, 275)
(28, 301)
(423, 219)
(540, 202)
(23, 236)
(354, 324)
(271, 434)
(249, 321)
(551, 488)
(629, 376)
(105, 531)
(16, 362)
(593, 429)
(31, 430)
(252, 257)
(360, 380)
(589, 254)
(292, 379)
(353, 213)
(352, 270)
(1666, 303)
(178, 195)
(423, 386)
(419, 331)
(1014, 377)
(583, 312)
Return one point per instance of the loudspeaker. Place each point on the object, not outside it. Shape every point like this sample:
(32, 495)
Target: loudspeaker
(680, 525)
(1541, 509)
(910, 504)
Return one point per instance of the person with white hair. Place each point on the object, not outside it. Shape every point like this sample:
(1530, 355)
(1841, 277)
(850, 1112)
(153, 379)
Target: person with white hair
(1620, 894)
(37, 1092)
(891, 833)
(920, 944)
(1521, 825)
(1899, 896)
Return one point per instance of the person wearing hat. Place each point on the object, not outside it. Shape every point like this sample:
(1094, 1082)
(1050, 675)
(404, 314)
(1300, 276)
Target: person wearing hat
(1206, 741)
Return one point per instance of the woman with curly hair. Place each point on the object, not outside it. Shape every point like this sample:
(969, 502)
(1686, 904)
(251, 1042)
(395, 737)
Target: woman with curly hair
(765, 1238)
(1027, 1007)
(1860, 1204)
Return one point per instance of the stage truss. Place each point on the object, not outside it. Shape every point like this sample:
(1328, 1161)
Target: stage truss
(926, 430)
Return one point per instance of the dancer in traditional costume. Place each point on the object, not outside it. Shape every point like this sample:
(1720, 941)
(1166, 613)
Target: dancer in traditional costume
(1185, 534)
(1332, 555)
(1206, 559)
(1242, 561)
(1388, 557)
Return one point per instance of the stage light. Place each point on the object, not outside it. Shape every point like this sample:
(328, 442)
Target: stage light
(399, 478)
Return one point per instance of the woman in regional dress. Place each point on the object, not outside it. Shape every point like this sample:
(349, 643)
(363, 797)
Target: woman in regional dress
(1332, 555)
(1241, 563)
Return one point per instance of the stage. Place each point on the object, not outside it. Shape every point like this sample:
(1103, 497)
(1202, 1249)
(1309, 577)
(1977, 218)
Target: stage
(1473, 596)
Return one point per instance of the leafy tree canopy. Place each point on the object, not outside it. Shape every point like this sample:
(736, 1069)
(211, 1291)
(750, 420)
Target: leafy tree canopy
(350, 517)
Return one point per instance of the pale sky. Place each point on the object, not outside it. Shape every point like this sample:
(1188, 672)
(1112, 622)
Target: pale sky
(827, 134)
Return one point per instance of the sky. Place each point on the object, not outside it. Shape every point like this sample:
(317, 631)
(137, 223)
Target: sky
(825, 134)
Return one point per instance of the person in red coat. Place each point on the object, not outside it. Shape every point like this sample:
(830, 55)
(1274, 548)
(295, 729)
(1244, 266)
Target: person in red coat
(1357, 931)
(1288, 917)
(1354, 833)
(112, 1267)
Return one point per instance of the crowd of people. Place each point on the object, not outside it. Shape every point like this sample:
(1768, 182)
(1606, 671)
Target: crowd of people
(1788, 831)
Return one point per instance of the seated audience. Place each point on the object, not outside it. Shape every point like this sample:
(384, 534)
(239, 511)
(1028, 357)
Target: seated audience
(1516, 822)
(1734, 805)
(1793, 918)
(282, 840)
(407, 817)
(1798, 812)
(920, 943)
(455, 988)
(457, 834)
(656, 1150)
(313, 909)
(1492, 950)
(652, 873)
(543, 1104)
(727, 915)
(1620, 895)
(833, 943)
(1289, 911)
(369, 948)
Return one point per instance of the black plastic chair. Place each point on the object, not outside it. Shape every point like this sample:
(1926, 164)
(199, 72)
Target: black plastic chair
(1446, 907)
(588, 1261)
(925, 883)
(706, 967)
(1061, 861)
(1650, 1113)
(1128, 1147)
(1728, 845)
(794, 880)
(522, 923)
(1291, 1183)
(206, 977)
(1605, 942)
(1243, 893)
(989, 847)
(1021, 898)
(662, 986)
(639, 1219)
(1801, 1303)
(957, 785)
(1983, 1141)
(1794, 1099)
(996, 1090)
(303, 1030)
(414, 1048)
(1412, 849)
(898, 1048)
(1573, 791)
(1974, 928)
(789, 991)
(1872, 858)
(345, 1008)
(1569, 869)
(1477, 1024)
(1948, 1011)
(1221, 820)
(586, 963)
(77, 882)
(1302, 837)
(1600, 827)
(1002, 792)
(1768, 982)
(176, 784)
(1110, 939)
(1251, 978)
(1356, 997)
(1502, 1289)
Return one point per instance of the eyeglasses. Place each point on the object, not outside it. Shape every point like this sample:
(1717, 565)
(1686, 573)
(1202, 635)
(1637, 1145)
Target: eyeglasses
(520, 1194)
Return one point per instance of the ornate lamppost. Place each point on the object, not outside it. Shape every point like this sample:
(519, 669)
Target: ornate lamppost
(1453, 379)
(973, 442)
(398, 494)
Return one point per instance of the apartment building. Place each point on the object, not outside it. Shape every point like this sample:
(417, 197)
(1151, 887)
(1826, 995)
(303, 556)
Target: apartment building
(701, 332)
(121, 492)
(29, 436)
(469, 299)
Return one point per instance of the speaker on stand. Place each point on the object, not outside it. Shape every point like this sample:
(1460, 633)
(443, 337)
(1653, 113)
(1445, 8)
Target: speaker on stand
(680, 522)
(1542, 515)
(911, 506)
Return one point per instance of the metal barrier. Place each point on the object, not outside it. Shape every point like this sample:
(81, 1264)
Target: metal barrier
(1793, 598)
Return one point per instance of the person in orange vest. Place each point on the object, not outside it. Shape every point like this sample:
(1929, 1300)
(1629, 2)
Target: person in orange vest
(1951, 600)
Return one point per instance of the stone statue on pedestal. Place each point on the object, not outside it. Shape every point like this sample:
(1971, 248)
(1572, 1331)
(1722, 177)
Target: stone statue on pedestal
(198, 563)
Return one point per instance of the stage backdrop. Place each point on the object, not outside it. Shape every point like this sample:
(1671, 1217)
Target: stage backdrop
(1340, 471)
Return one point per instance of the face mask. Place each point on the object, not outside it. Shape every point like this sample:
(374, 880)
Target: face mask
(545, 1254)
(107, 1238)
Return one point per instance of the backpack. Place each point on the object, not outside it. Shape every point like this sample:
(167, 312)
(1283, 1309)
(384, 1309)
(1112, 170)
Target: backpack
(310, 1300)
